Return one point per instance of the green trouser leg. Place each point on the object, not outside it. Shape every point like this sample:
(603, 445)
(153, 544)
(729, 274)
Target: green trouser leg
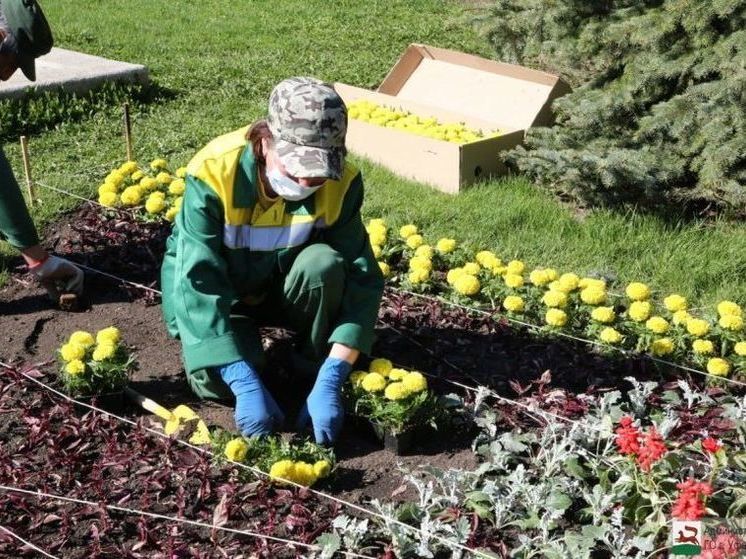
(15, 222)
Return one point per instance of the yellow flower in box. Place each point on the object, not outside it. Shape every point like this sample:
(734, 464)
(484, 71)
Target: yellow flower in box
(75, 367)
(163, 178)
(128, 168)
(381, 366)
(396, 391)
(639, 311)
(680, 318)
(396, 374)
(466, 284)
(593, 283)
(445, 246)
(556, 285)
(556, 317)
(662, 346)
(604, 315)
(83, 338)
(107, 188)
(385, 269)
(71, 352)
(420, 263)
(471, 268)
(177, 202)
(377, 251)
(356, 377)
(181, 172)
(414, 382)
(729, 307)
(147, 184)
(513, 281)
(675, 303)
(115, 177)
(424, 251)
(539, 277)
(131, 196)
(104, 351)
(593, 296)
(703, 347)
(414, 241)
(610, 336)
(304, 474)
(513, 303)
(740, 349)
(373, 382)
(406, 231)
(718, 367)
(551, 273)
(170, 214)
(569, 282)
(418, 276)
(377, 222)
(177, 187)
(638, 291)
(697, 327)
(158, 164)
(486, 258)
(282, 470)
(322, 468)
(453, 274)
(155, 204)
(516, 267)
(110, 334)
(554, 299)
(236, 449)
(657, 324)
(731, 322)
(108, 199)
(377, 237)
(137, 176)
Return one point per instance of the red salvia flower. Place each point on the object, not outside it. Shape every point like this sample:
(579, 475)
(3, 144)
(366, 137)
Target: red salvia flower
(689, 503)
(628, 436)
(651, 450)
(711, 445)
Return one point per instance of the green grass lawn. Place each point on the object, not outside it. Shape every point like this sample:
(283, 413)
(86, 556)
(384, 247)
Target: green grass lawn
(220, 60)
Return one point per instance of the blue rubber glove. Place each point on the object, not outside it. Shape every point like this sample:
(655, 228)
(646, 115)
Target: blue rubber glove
(323, 406)
(257, 413)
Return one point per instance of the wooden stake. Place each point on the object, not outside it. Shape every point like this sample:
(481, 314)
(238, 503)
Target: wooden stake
(128, 132)
(27, 169)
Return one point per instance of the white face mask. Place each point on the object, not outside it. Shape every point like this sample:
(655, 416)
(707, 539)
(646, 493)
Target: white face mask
(288, 188)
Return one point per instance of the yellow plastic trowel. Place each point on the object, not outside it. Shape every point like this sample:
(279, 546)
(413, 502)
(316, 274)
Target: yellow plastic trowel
(180, 416)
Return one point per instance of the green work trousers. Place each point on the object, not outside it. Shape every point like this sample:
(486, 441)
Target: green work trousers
(306, 300)
(15, 222)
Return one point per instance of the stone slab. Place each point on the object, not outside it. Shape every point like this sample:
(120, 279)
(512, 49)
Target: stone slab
(74, 72)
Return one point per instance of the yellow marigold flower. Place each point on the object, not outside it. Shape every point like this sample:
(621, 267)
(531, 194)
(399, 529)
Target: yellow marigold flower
(513, 280)
(377, 222)
(466, 284)
(593, 283)
(396, 391)
(740, 349)
(657, 324)
(171, 214)
(445, 246)
(181, 172)
(424, 251)
(453, 274)
(414, 382)
(675, 302)
(155, 204)
(729, 307)
(718, 367)
(128, 167)
(71, 351)
(554, 299)
(418, 276)
(131, 196)
(163, 178)
(420, 263)
(662, 346)
(556, 317)
(385, 269)
(377, 237)
(639, 311)
(177, 187)
(516, 267)
(414, 241)
(83, 338)
(177, 202)
(75, 367)
(356, 377)
(397, 374)
(486, 258)
(697, 327)
(610, 336)
(703, 347)
(282, 470)
(406, 231)
(557, 286)
(115, 177)
(638, 291)
(551, 273)
(107, 187)
(377, 251)
(137, 176)
(108, 199)
(381, 366)
(593, 296)
(373, 382)
(148, 183)
(158, 164)
(604, 315)
(304, 474)
(471, 268)
(236, 449)
(731, 322)
(104, 351)
(322, 468)
(498, 269)
(539, 277)
(680, 318)
(569, 282)
(110, 334)
(513, 303)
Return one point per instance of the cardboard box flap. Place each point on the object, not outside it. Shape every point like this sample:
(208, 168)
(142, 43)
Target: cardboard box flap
(501, 93)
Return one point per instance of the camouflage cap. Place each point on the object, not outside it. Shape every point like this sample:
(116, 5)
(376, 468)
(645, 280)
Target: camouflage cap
(308, 120)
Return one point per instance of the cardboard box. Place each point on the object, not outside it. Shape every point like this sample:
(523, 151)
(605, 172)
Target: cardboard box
(452, 87)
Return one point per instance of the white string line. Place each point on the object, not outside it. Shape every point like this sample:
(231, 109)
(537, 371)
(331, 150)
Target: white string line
(569, 336)
(27, 543)
(125, 510)
(139, 285)
(252, 469)
(83, 198)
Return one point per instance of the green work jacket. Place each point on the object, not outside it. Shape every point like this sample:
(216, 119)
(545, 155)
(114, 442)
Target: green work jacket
(225, 249)
(15, 222)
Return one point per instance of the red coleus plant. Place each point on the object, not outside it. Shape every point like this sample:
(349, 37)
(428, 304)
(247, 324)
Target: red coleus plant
(690, 502)
(647, 448)
(711, 445)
